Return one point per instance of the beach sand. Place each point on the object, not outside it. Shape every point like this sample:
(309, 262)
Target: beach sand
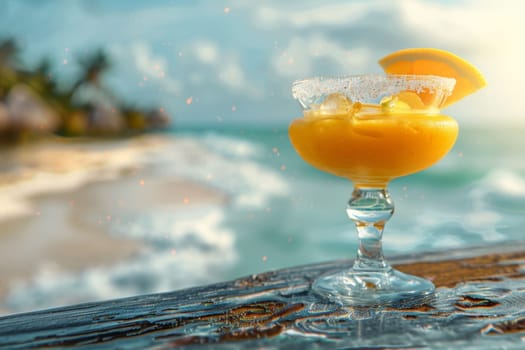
(59, 202)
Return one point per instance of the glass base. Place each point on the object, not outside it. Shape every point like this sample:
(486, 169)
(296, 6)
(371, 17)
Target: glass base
(366, 288)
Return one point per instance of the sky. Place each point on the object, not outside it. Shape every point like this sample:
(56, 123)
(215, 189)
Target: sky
(218, 63)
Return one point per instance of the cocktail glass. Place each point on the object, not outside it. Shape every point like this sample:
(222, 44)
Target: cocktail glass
(371, 129)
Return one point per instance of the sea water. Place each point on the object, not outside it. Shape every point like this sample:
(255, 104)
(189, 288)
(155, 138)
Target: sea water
(281, 212)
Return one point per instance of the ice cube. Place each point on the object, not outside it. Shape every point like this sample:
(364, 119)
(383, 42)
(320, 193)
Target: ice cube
(412, 99)
(392, 104)
(336, 104)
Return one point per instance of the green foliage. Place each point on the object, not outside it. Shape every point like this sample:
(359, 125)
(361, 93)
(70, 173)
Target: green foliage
(99, 114)
(8, 57)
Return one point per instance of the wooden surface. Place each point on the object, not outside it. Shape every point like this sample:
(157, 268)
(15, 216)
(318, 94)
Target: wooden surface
(479, 303)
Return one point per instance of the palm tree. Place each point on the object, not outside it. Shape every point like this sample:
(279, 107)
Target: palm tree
(93, 98)
(42, 82)
(9, 51)
(93, 67)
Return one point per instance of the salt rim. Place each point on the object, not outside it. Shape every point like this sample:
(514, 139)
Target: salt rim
(366, 87)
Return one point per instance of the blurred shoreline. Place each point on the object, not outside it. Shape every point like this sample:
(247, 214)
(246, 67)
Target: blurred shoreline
(60, 199)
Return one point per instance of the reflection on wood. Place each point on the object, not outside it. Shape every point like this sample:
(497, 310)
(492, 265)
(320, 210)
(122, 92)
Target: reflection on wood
(494, 267)
(480, 301)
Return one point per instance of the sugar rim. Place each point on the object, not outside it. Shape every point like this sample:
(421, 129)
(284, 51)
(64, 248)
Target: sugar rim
(367, 87)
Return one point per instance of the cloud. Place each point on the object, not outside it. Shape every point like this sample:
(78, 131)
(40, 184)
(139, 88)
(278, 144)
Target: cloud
(154, 67)
(232, 75)
(326, 14)
(300, 56)
(222, 64)
(205, 51)
(145, 62)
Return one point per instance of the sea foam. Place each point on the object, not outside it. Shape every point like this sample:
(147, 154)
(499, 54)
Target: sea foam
(183, 246)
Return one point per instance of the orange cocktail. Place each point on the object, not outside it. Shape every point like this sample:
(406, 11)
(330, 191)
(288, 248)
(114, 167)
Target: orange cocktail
(373, 148)
(372, 129)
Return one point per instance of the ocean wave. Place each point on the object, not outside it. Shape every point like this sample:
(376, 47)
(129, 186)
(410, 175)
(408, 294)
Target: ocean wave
(504, 182)
(183, 248)
(224, 163)
(230, 146)
(489, 210)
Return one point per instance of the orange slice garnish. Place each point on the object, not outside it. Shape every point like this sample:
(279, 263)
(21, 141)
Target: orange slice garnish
(426, 61)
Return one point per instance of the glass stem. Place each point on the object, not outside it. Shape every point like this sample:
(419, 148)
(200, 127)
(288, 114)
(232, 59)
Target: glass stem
(370, 209)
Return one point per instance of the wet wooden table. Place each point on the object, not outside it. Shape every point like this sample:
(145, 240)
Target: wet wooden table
(479, 303)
